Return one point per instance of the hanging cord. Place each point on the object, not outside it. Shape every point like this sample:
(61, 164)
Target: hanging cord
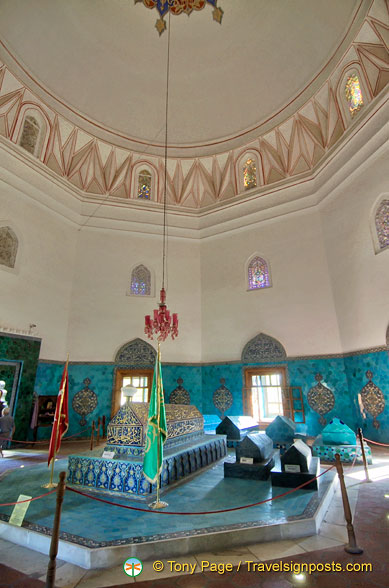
(165, 179)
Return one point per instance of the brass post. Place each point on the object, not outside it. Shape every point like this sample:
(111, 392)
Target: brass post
(98, 431)
(92, 437)
(352, 546)
(367, 477)
(103, 426)
(50, 577)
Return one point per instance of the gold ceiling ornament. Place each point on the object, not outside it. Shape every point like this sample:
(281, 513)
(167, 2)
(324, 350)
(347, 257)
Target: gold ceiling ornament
(176, 7)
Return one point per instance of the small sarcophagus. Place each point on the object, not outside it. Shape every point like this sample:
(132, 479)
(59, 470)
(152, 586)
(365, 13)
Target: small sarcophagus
(297, 458)
(255, 446)
(236, 428)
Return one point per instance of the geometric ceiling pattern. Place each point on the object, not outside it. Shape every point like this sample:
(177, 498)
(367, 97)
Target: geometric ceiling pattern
(292, 148)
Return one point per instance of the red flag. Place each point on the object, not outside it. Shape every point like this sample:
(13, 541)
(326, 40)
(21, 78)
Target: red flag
(61, 418)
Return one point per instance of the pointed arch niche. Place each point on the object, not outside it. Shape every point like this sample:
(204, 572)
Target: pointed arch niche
(379, 224)
(248, 171)
(141, 282)
(32, 131)
(144, 182)
(257, 273)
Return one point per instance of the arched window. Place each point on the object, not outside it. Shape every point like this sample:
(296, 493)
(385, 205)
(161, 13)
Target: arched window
(353, 94)
(144, 184)
(141, 281)
(258, 274)
(382, 224)
(8, 247)
(30, 134)
(249, 174)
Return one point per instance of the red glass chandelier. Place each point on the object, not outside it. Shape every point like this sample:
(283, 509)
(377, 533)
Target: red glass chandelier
(163, 323)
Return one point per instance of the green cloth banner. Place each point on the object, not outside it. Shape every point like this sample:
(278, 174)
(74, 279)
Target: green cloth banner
(156, 428)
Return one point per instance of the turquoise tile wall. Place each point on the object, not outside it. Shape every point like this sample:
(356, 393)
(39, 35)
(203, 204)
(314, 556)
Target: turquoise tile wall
(192, 382)
(344, 376)
(48, 380)
(302, 373)
(356, 368)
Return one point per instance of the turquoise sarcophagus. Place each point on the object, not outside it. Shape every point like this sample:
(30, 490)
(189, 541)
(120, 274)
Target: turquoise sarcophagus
(118, 467)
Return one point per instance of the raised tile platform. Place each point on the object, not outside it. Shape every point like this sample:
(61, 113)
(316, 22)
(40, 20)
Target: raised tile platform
(346, 452)
(124, 476)
(97, 535)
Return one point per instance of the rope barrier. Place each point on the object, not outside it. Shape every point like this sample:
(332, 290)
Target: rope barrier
(45, 441)
(29, 499)
(202, 512)
(376, 442)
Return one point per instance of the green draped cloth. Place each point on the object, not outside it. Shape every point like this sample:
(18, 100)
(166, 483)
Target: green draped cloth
(156, 428)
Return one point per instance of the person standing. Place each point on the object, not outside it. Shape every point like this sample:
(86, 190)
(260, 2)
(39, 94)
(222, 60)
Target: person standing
(7, 428)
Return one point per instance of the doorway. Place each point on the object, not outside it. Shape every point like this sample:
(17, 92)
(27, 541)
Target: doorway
(141, 380)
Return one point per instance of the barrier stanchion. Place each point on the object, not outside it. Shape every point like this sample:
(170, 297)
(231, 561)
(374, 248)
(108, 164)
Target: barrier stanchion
(92, 437)
(352, 546)
(98, 431)
(103, 426)
(50, 577)
(367, 477)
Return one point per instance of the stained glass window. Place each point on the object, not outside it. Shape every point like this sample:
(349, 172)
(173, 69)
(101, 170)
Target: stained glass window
(30, 134)
(141, 281)
(258, 274)
(382, 224)
(144, 184)
(353, 94)
(249, 174)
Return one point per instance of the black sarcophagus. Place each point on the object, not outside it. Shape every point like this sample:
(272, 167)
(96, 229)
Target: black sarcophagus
(254, 458)
(236, 428)
(296, 467)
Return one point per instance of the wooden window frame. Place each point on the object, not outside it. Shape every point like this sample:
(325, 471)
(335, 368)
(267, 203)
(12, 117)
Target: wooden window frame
(247, 400)
(127, 373)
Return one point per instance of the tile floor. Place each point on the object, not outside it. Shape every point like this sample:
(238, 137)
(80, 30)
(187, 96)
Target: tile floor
(20, 567)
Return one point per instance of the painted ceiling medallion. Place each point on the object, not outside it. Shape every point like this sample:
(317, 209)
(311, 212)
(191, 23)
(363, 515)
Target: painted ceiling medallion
(176, 7)
(321, 399)
(372, 399)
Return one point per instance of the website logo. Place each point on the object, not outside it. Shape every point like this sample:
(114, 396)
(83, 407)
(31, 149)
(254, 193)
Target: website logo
(132, 566)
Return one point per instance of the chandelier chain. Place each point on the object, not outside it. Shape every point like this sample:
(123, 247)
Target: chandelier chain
(165, 154)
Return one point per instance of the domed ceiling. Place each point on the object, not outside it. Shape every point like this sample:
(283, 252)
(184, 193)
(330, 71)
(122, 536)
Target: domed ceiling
(104, 60)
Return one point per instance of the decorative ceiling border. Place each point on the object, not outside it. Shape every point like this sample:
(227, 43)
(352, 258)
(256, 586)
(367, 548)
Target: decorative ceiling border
(291, 150)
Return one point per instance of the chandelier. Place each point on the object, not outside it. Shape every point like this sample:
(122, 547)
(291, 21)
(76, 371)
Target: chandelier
(163, 323)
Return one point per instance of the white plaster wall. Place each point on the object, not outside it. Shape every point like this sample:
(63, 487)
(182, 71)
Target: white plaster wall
(359, 277)
(297, 310)
(38, 289)
(103, 318)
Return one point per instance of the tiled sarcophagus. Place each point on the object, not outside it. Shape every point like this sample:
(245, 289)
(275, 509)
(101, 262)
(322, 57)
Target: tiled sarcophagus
(282, 431)
(254, 458)
(337, 437)
(126, 433)
(297, 467)
(118, 468)
(236, 428)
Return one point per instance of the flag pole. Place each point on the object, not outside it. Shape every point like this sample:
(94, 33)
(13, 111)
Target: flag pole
(52, 484)
(158, 503)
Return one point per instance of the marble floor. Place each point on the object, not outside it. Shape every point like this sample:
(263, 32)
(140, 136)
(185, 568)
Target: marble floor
(370, 503)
